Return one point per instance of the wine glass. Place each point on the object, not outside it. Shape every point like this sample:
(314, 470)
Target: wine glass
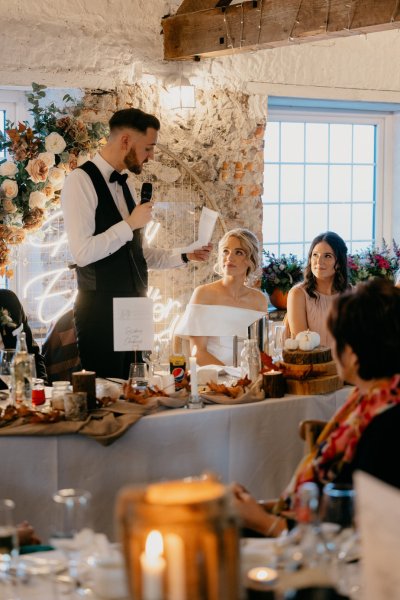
(8, 546)
(71, 532)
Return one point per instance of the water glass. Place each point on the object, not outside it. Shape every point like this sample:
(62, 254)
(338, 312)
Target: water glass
(138, 377)
(337, 504)
(6, 359)
(8, 548)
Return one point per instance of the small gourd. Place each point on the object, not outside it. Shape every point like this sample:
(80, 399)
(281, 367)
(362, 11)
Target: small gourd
(308, 340)
(291, 344)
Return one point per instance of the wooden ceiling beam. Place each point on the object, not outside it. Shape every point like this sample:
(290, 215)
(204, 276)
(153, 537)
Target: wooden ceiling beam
(191, 6)
(257, 24)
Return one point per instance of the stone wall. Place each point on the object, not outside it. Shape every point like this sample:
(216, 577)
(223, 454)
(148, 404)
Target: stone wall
(220, 143)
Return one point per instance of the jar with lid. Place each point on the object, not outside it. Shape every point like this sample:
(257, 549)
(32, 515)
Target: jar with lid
(250, 360)
(60, 388)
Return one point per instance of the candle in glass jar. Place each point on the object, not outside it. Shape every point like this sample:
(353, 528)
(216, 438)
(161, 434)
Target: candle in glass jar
(153, 567)
(193, 373)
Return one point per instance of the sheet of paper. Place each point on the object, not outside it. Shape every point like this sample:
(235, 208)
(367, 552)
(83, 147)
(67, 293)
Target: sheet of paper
(133, 324)
(378, 518)
(208, 219)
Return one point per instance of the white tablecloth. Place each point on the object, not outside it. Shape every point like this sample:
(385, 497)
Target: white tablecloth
(256, 444)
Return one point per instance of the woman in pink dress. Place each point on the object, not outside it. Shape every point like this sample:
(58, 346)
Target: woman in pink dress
(325, 276)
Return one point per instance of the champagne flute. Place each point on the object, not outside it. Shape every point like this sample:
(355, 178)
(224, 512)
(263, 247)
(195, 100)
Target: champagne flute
(279, 339)
(71, 531)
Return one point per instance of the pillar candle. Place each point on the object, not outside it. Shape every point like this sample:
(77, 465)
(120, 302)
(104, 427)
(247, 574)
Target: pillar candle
(153, 567)
(85, 381)
(193, 374)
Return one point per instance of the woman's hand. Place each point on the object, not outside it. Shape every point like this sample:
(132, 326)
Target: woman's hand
(253, 514)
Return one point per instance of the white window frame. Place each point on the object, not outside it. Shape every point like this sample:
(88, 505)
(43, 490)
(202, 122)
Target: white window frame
(384, 153)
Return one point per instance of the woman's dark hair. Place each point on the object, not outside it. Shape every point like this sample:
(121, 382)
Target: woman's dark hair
(341, 279)
(134, 118)
(368, 319)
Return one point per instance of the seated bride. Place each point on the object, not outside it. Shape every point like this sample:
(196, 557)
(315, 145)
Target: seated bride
(225, 308)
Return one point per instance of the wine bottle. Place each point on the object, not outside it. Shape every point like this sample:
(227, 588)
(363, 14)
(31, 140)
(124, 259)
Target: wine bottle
(21, 373)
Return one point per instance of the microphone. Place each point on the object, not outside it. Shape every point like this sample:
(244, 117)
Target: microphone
(146, 192)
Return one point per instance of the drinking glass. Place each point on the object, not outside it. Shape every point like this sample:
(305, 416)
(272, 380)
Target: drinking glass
(337, 504)
(138, 377)
(279, 339)
(6, 358)
(8, 546)
(71, 532)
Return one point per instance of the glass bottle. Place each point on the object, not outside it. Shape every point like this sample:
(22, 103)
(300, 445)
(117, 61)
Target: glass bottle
(250, 360)
(21, 373)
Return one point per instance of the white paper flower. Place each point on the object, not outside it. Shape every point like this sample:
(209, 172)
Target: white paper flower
(57, 178)
(48, 158)
(55, 143)
(8, 169)
(38, 170)
(37, 200)
(10, 188)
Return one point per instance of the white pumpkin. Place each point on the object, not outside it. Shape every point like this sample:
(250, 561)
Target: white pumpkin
(291, 344)
(308, 340)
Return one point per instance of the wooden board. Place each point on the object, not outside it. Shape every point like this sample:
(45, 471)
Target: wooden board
(308, 371)
(321, 354)
(318, 385)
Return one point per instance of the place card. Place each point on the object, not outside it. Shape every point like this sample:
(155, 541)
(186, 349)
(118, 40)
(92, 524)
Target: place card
(133, 324)
(378, 518)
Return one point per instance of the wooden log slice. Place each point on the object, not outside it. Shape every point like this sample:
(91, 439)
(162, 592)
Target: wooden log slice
(318, 385)
(274, 384)
(307, 371)
(321, 354)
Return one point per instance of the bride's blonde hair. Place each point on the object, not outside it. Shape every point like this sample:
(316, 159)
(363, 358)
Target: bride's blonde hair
(250, 245)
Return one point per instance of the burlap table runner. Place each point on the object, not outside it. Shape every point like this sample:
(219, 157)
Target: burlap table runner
(105, 425)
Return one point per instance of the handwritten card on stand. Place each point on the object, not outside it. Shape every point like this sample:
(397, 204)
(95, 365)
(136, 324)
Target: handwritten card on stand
(133, 324)
(378, 518)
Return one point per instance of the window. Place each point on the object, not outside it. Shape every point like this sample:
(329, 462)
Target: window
(323, 171)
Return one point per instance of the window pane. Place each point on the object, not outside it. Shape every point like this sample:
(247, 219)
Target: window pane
(316, 220)
(340, 143)
(363, 184)
(271, 183)
(292, 183)
(340, 184)
(297, 249)
(362, 224)
(271, 147)
(292, 142)
(291, 225)
(270, 223)
(316, 184)
(316, 142)
(340, 219)
(272, 248)
(364, 143)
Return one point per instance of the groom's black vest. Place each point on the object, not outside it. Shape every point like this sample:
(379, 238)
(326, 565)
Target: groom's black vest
(123, 272)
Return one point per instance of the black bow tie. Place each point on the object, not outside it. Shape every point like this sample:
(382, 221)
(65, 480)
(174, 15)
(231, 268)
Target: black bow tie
(119, 177)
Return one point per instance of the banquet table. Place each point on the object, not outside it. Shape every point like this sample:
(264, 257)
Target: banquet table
(256, 444)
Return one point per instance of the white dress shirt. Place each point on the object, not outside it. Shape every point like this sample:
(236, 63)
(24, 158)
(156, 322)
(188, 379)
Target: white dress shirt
(79, 203)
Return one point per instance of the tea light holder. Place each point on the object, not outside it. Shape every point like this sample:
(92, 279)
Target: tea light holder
(85, 381)
(260, 583)
(180, 541)
(75, 406)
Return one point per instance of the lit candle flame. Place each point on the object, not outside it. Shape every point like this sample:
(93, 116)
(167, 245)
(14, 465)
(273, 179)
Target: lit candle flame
(154, 545)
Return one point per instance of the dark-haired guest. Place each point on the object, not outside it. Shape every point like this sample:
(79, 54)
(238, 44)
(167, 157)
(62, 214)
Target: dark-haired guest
(325, 276)
(104, 225)
(13, 320)
(364, 433)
